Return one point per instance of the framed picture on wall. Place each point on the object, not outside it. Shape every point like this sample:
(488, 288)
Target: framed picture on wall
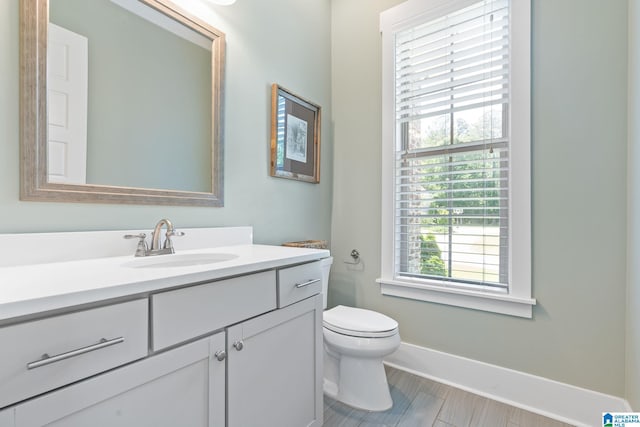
(295, 136)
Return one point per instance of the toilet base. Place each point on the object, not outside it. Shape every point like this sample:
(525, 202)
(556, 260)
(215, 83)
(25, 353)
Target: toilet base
(362, 382)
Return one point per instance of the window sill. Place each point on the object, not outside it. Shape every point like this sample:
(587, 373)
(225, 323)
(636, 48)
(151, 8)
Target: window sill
(486, 301)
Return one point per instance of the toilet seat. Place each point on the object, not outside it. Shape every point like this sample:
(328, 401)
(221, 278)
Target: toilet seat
(358, 322)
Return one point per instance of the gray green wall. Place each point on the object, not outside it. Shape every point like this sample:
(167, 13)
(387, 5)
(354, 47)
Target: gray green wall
(633, 217)
(577, 334)
(281, 41)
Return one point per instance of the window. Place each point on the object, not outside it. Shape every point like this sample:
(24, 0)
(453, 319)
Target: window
(456, 153)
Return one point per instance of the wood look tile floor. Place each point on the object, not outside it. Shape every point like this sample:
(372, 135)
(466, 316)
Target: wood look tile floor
(419, 402)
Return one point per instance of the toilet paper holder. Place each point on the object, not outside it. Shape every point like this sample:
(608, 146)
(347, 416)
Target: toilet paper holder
(356, 257)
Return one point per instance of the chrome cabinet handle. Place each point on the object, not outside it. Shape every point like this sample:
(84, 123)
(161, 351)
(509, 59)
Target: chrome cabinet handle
(46, 359)
(310, 282)
(220, 355)
(238, 345)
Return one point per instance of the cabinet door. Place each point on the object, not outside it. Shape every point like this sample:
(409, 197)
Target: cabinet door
(274, 368)
(182, 387)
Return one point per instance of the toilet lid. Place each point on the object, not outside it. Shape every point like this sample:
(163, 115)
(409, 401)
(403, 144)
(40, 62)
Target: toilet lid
(359, 322)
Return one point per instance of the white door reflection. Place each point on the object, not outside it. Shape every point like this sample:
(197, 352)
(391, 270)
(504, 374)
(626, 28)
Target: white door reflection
(67, 78)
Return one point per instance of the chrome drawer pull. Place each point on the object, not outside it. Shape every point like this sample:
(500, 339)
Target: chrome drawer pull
(310, 282)
(46, 359)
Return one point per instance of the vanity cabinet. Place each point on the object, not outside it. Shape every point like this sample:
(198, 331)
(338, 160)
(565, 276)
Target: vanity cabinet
(240, 352)
(274, 368)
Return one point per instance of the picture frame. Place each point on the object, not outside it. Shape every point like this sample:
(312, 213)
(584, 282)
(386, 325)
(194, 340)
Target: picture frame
(295, 136)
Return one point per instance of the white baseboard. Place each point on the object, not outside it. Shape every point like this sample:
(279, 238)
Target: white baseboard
(553, 399)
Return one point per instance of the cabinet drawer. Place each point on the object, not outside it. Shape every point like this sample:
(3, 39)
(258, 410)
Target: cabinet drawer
(173, 389)
(197, 310)
(299, 282)
(77, 345)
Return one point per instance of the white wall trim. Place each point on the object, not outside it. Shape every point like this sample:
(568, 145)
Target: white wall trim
(478, 300)
(553, 399)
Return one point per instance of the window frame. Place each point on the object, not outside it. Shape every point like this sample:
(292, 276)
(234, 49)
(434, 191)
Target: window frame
(517, 301)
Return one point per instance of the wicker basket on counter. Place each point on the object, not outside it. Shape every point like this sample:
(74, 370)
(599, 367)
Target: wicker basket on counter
(311, 244)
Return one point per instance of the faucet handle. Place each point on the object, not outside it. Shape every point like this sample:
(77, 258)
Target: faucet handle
(135, 236)
(142, 248)
(168, 244)
(175, 233)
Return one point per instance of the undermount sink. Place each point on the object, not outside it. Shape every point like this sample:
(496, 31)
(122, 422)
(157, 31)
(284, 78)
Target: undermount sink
(179, 260)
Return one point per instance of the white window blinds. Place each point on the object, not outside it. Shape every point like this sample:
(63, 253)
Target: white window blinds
(452, 147)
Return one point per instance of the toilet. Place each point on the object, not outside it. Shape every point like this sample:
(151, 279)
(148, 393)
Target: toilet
(355, 342)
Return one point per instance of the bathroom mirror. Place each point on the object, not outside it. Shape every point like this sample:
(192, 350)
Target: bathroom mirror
(120, 103)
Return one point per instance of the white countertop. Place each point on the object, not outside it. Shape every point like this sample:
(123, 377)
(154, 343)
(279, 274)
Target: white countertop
(30, 289)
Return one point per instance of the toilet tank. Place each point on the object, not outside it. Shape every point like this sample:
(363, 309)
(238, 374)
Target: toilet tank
(325, 264)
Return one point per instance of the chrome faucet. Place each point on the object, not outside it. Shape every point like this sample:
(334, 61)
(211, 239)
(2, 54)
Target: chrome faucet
(155, 249)
(167, 247)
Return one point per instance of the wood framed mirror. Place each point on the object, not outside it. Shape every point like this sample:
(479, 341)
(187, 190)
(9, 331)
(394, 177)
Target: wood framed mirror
(151, 121)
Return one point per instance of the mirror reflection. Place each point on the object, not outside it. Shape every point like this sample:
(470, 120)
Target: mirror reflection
(129, 97)
(120, 103)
